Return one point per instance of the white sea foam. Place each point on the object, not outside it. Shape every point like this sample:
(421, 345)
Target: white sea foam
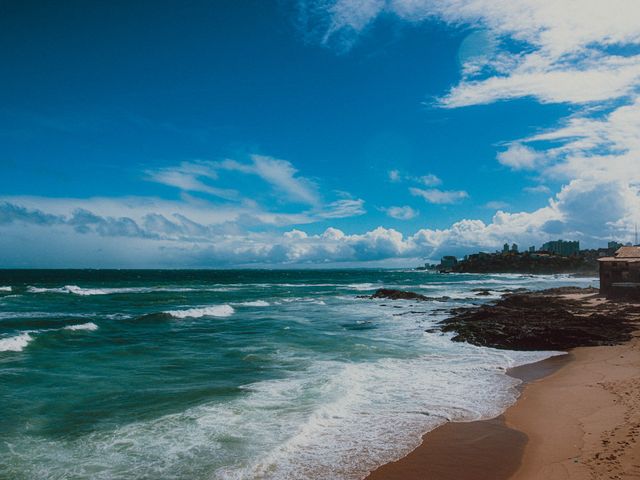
(212, 311)
(15, 343)
(90, 326)
(307, 300)
(76, 290)
(254, 303)
(332, 420)
(6, 289)
(362, 286)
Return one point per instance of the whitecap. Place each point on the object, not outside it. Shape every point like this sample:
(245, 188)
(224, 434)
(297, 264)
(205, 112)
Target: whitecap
(362, 286)
(212, 311)
(90, 326)
(254, 303)
(6, 289)
(15, 343)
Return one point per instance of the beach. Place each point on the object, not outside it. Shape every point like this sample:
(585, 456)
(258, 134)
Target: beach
(578, 417)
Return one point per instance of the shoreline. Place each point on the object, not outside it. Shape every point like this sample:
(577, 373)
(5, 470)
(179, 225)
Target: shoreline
(577, 417)
(476, 450)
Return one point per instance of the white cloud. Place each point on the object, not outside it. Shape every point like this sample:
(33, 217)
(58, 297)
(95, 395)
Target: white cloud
(394, 176)
(434, 195)
(430, 180)
(347, 207)
(401, 213)
(520, 157)
(152, 236)
(280, 174)
(190, 176)
(604, 80)
(567, 59)
(564, 54)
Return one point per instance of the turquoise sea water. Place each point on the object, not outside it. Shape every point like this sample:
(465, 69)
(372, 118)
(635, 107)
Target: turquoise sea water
(236, 374)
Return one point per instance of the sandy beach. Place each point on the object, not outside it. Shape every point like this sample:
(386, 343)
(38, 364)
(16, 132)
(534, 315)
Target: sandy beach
(578, 417)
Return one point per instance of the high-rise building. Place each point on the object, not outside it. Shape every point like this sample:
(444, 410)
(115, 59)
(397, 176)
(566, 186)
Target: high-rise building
(562, 247)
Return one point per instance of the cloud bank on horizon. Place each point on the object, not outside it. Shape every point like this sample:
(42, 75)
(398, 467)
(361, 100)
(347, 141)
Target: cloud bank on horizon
(582, 53)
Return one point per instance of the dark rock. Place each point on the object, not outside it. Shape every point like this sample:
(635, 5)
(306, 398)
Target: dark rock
(483, 293)
(398, 295)
(542, 321)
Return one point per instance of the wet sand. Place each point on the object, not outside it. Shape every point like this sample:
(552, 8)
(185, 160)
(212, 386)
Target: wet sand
(481, 450)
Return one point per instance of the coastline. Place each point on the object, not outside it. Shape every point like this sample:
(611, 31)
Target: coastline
(577, 417)
(481, 449)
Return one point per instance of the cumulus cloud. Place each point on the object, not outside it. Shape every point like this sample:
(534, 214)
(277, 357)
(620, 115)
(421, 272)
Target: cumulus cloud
(434, 195)
(520, 157)
(401, 213)
(149, 238)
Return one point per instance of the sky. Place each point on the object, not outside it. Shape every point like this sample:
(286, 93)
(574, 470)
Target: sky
(329, 133)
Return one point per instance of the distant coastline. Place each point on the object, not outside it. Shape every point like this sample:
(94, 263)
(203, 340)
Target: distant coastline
(556, 257)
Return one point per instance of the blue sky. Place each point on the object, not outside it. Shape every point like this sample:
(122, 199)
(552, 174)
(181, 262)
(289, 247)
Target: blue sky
(293, 133)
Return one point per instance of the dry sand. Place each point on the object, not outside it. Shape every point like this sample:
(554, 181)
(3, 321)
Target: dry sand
(582, 421)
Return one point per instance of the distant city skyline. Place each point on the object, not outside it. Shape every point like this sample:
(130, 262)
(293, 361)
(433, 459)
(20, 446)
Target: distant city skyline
(298, 133)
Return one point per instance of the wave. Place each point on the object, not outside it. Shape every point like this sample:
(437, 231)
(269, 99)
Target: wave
(362, 286)
(307, 300)
(254, 303)
(76, 290)
(90, 326)
(67, 289)
(213, 311)
(331, 420)
(15, 343)
(6, 289)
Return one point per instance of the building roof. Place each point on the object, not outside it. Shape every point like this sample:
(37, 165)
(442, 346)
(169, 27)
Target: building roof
(619, 260)
(628, 252)
(624, 254)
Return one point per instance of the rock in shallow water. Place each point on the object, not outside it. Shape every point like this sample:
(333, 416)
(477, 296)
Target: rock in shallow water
(398, 294)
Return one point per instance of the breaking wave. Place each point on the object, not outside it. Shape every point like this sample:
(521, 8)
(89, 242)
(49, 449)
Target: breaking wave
(213, 311)
(90, 326)
(16, 343)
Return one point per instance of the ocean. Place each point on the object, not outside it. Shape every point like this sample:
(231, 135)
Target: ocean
(237, 374)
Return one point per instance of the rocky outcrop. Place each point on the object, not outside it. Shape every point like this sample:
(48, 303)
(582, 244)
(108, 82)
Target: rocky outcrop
(392, 294)
(547, 320)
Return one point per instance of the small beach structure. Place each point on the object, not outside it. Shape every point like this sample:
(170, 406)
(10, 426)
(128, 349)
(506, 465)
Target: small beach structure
(620, 274)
